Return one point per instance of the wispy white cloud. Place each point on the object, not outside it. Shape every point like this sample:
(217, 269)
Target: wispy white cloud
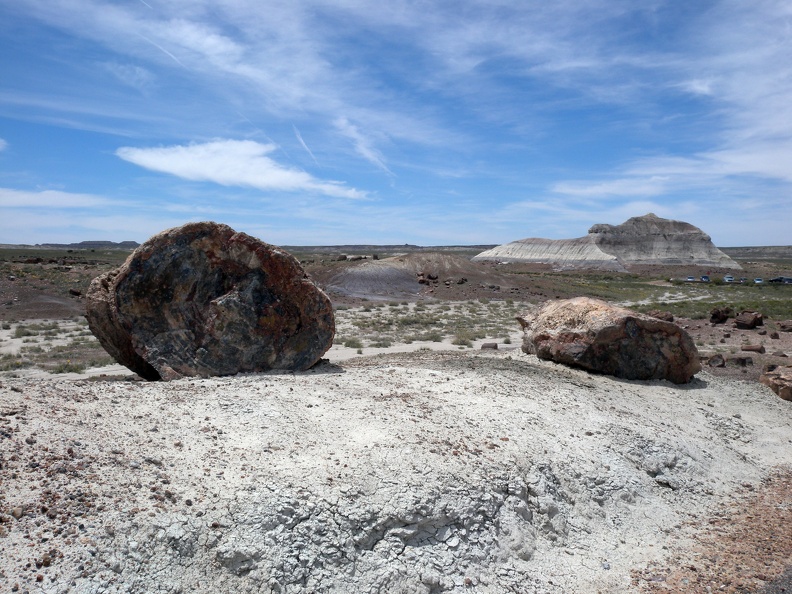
(643, 186)
(131, 75)
(57, 199)
(363, 144)
(3, 145)
(234, 163)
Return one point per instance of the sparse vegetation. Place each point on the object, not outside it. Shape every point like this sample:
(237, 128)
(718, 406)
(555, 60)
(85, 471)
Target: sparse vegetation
(56, 347)
(464, 322)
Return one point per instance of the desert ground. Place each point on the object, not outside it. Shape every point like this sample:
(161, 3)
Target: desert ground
(409, 460)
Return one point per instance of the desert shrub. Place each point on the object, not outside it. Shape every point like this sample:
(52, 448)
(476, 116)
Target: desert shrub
(431, 336)
(353, 343)
(101, 362)
(463, 338)
(418, 320)
(22, 331)
(68, 367)
(382, 343)
(9, 362)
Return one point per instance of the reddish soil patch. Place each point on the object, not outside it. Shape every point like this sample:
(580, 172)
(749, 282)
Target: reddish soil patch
(746, 547)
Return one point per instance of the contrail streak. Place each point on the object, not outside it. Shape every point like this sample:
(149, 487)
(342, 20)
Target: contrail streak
(302, 142)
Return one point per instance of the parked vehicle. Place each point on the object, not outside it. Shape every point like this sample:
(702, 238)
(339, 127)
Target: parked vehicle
(705, 279)
(758, 281)
(781, 279)
(728, 278)
(691, 279)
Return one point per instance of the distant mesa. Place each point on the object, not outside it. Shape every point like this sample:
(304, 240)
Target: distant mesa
(94, 245)
(639, 241)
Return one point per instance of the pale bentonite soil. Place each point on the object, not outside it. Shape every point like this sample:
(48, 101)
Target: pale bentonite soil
(423, 472)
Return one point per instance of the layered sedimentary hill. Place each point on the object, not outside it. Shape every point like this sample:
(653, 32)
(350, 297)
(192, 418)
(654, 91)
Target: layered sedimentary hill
(646, 240)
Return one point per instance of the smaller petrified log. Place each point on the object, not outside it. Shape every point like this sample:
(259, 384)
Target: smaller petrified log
(666, 316)
(603, 338)
(716, 361)
(779, 381)
(739, 361)
(719, 315)
(748, 320)
(204, 300)
(753, 348)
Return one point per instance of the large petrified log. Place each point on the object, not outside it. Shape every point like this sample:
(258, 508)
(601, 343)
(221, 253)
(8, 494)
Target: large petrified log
(603, 338)
(204, 300)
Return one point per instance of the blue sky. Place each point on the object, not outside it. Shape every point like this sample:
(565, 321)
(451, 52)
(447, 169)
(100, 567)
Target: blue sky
(313, 122)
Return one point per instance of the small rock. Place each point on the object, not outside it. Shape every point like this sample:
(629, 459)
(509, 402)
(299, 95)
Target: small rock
(17, 512)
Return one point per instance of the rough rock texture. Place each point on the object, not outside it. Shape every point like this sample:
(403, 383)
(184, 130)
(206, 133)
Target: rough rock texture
(603, 338)
(646, 240)
(204, 300)
(779, 381)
